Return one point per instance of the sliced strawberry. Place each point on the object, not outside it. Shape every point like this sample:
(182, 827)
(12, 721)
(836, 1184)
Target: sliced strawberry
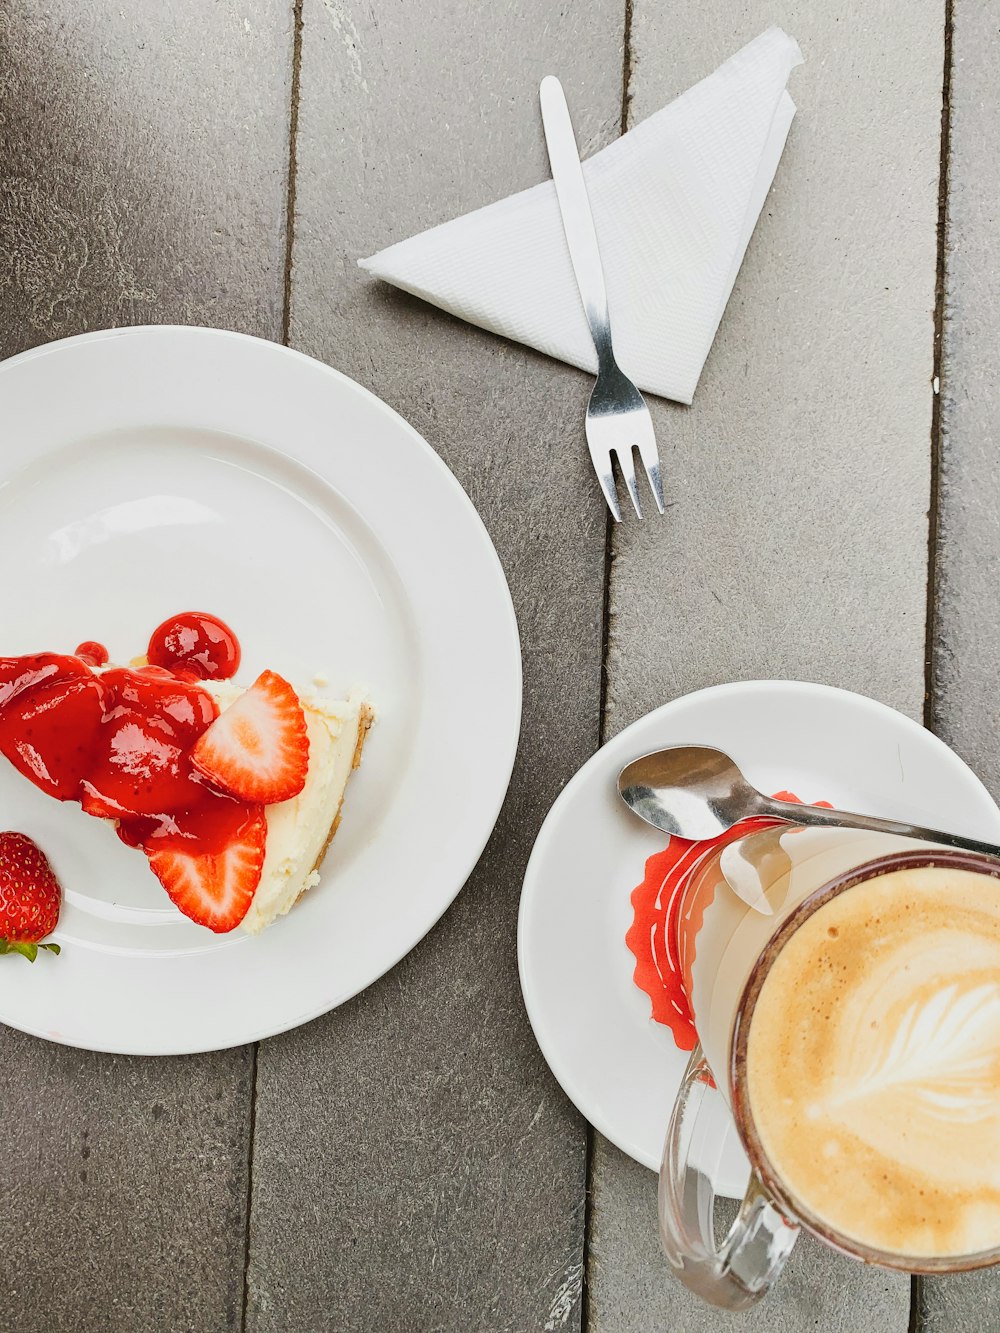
(258, 748)
(215, 890)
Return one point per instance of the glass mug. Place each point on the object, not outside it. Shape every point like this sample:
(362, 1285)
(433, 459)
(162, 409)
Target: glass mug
(741, 905)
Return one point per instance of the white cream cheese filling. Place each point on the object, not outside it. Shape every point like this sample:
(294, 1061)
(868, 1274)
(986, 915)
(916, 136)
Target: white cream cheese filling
(298, 830)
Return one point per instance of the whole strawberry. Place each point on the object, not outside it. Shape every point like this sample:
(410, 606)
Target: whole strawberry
(29, 897)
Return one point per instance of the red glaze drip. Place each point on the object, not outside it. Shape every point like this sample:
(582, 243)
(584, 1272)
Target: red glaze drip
(50, 718)
(196, 646)
(94, 654)
(119, 742)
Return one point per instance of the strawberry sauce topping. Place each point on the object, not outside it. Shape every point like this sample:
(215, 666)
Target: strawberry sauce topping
(197, 645)
(119, 741)
(146, 747)
(94, 654)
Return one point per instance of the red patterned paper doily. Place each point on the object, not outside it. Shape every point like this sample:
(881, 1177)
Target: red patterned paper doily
(653, 935)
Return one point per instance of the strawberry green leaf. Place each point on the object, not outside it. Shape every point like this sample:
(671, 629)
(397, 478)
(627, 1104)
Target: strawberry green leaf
(24, 947)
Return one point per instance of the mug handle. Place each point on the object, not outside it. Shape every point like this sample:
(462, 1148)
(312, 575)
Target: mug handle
(738, 1272)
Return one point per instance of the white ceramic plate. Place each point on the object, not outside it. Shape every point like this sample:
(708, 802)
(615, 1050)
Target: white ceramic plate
(149, 471)
(620, 1068)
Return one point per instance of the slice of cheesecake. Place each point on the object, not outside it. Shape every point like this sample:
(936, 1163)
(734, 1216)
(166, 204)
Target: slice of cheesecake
(232, 793)
(301, 828)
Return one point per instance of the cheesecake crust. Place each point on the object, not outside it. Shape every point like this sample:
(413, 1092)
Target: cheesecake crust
(366, 716)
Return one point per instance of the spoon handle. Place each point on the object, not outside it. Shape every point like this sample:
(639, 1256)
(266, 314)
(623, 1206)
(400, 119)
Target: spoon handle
(820, 818)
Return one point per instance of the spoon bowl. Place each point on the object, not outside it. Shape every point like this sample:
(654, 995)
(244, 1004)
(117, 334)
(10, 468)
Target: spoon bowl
(697, 792)
(688, 791)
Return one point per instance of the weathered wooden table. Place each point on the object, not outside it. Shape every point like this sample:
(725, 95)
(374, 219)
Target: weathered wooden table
(407, 1163)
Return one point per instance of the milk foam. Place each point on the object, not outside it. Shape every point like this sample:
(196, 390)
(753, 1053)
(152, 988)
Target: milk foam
(873, 1063)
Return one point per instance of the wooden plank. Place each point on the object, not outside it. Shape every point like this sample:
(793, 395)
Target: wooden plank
(797, 538)
(415, 1166)
(966, 1301)
(125, 1189)
(145, 158)
(968, 545)
(631, 1289)
(965, 644)
(145, 163)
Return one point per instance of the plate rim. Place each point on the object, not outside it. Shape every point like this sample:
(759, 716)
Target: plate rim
(513, 678)
(756, 686)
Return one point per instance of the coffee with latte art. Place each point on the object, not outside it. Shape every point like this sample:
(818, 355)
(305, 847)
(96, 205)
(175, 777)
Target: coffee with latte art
(873, 1063)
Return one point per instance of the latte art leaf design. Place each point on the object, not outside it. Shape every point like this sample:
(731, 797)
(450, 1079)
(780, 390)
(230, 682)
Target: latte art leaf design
(945, 1052)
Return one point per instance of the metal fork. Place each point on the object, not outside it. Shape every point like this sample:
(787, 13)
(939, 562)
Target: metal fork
(618, 419)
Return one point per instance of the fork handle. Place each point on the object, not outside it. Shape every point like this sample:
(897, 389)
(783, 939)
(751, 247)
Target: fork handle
(577, 219)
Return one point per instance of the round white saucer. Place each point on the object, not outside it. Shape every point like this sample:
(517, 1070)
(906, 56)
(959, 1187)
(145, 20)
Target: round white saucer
(620, 1068)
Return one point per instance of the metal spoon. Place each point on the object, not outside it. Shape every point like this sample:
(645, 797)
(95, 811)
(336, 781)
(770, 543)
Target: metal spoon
(696, 792)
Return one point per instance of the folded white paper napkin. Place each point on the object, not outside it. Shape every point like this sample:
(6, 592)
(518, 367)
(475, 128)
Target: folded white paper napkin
(675, 201)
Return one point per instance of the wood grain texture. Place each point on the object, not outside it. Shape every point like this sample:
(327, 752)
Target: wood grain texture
(799, 479)
(965, 644)
(125, 1190)
(965, 640)
(143, 161)
(144, 164)
(416, 1169)
(796, 540)
(632, 1291)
